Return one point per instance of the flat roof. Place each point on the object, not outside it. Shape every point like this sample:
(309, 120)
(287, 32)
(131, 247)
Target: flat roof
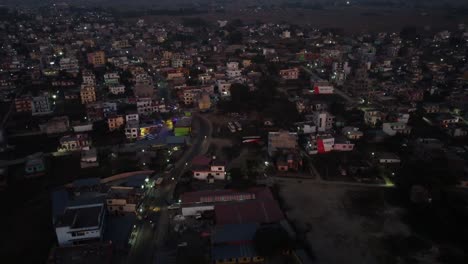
(233, 233)
(81, 217)
(252, 211)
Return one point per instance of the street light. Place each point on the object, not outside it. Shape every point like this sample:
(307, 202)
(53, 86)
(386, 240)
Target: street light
(142, 186)
(146, 180)
(266, 163)
(142, 150)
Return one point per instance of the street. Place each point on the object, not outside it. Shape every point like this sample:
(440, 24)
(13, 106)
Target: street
(151, 235)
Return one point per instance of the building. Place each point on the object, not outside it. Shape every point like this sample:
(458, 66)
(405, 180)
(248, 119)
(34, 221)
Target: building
(208, 169)
(115, 122)
(224, 88)
(111, 78)
(97, 58)
(204, 102)
(56, 125)
(116, 89)
(40, 105)
(23, 104)
(69, 65)
(342, 144)
(322, 87)
(34, 166)
(132, 129)
(142, 90)
(282, 141)
(372, 117)
(122, 200)
(74, 142)
(87, 94)
(352, 133)
(323, 120)
(79, 224)
(89, 158)
(289, 74)
(392, 129)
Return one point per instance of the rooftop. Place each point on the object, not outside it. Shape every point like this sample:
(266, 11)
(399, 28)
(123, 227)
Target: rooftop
(81, 217)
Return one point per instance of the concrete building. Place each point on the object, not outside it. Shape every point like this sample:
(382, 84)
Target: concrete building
(82, 223)
(208, 169)
(97, 58)
(87, 94)
(40, 105)
(289, 74)
(392, 129)
(23, 104)
(74, 142)
(115, 122)
(323, 120)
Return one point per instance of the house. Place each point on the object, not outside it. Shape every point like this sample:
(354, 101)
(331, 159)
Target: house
(431, 108)
(115, 122)
(288, 160)
(89, 158)
(457, 130)
(282, 141)
(392, 129)
(142, 90)
(445, 119)
(81, 223)
(289, 74)
(324, 143)
(352, 133)
(208, 169)
(74, 142)
(224, 88)
(87, 94)
(122, 199)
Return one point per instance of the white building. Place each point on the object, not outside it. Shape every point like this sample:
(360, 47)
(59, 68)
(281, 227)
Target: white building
(352, 132)
(224, 88)
(117, 89)
(231, 74)
(214, 171)
(392, 129)
(322, 88)
(132, 129)
(111, 78)
(80, 223)
(89, 158)
(232, 66)
(323, 120)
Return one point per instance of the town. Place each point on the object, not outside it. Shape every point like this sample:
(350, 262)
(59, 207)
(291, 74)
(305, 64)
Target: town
(125, 140)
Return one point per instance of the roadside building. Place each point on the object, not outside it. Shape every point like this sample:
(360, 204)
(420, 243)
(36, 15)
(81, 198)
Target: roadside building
(122, 200)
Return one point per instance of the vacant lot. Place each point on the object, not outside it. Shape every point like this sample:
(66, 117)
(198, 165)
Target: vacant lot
(344, 224)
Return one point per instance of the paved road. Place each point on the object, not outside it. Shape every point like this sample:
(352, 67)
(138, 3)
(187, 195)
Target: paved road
(152, 236)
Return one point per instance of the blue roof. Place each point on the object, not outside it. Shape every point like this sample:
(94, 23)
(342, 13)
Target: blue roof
(233, 251)
(234, 232)
(59, 202)
(135, 181)
(86, 182)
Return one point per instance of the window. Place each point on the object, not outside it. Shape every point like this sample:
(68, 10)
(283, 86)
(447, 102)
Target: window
(220, 168)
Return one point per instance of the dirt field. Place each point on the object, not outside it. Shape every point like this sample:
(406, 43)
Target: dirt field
(345, 224)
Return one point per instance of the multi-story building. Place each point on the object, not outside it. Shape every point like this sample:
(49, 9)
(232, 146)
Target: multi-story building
(69, 65)
(115, 122)
(87, 94)
(224, 88)
(372, 117)
(392, 129)
(74, 142)
(97, 58)
(40, 105)
(323, 120)
(80, 223)
(89, 78)
(111, 78)
(132, 129)
(23, 104)
(116, 89)
(289, 74)
(208, 169)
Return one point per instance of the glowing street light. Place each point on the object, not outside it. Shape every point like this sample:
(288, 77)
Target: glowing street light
(146, 180)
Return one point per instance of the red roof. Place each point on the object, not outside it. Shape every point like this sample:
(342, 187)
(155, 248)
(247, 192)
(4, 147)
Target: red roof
(205, 196)
(254, 211)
